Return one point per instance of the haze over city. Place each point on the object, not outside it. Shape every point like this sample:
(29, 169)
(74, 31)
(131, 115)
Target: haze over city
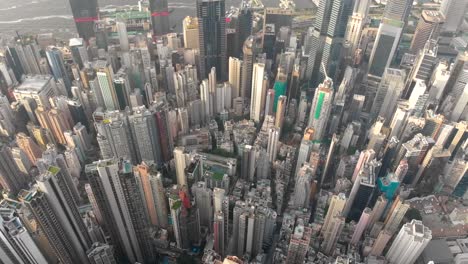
(234, 132)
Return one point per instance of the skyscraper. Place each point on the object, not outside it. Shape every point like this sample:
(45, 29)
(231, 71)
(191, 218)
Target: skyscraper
(428, 28)
(123, 36)
(219, 233)
(148, 180)
(16, 243)
(321, 109)
(273, 139)
(144, 132)
(101, 253)
(335, 209)
(114, 136)
(54, 184)
(247, 67)
(388, 92)
(60, 241)
(299, 244)
(409, 243)
(212, 32)
(258, 92)
(327, 39)
(11, 178)
(456, 99)
(303, 186)
(179, 160)
(356, 23)
(106, 89)
(388, 36)
(235, 76)
(190, 31)
(454, 11)
(280, 112)
(159, 17)
(395, 215)
(85, 13)
(425, 61)
(56, 62)
(361, 226)
(204, 201)
(105, 176)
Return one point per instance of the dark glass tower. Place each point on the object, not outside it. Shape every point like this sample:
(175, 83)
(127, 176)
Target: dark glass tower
(327, 39)
(85, 13)
(212, 34)
(159, 17)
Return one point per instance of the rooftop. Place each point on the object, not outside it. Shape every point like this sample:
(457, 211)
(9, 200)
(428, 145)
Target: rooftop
(34, 83)
(433, 16)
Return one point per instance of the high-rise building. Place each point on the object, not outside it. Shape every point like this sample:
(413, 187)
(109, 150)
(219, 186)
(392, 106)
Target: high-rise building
(270, 99)
(179, 160)
(248, 163)
(280, 112)
(321, 109)
(106, 89)
(56, 62)
(381, 242)
(454, 12)
(204, 201)
(303, 186)
(101, 253)
(144, 130)
(409, 243)
(212, 32)
(377, 211)
(362, 191)
(11, 178)
(190, 31)
(388, 36)
(16, 243)
(123, 36)
(148, 179)
(299, 244)
(395, 215)
(159, 17)
(456, 99)
(428, 28)
(57, 189)
(423, 66)
(332, 234)
(123, 223)
(327, 39)
(93, 202)
(247, 67)
(356, 23)
(257, 100)
(114, 136)
(85, 13)
(46, 217)
(305, 148)
(273, 140)
(388, 92)
(454, 172)
(361, 225)
(235, 76)
(337, 204)
(219, 233)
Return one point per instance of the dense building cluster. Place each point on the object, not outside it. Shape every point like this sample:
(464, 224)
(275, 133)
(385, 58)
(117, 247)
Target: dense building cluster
(331, 134)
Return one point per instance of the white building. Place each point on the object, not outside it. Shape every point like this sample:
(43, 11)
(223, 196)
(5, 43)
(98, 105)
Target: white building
(409, 243)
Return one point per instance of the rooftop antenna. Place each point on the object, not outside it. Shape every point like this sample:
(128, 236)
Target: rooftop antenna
(325, 71)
